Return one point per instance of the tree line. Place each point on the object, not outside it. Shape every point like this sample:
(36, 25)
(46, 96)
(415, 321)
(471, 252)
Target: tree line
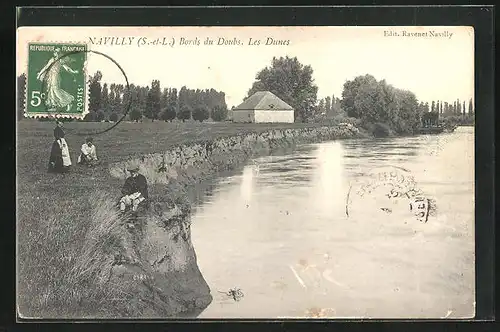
(381, 107)
(372, 104)
(365, 100)
(108, 102)
(453, 114)
(329, 107)
(456, 108)
(153, 102)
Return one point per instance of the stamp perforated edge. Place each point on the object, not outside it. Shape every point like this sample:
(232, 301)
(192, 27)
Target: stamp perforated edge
(85, 78)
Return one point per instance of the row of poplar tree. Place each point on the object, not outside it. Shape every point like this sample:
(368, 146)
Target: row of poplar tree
(109, 102)
(455, 108)
(329, 106)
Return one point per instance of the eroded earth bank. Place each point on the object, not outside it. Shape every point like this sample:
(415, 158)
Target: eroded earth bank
(156, 258)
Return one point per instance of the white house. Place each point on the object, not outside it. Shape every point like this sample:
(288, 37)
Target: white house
(263, 107)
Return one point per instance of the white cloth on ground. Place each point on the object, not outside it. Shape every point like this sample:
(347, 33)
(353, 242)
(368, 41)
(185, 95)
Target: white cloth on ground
(64, 151)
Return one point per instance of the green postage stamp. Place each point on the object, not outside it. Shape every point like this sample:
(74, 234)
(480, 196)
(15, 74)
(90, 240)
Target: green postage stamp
(56, 80)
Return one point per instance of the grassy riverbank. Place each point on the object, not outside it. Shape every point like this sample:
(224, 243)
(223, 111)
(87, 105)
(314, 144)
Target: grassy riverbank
(66, 226)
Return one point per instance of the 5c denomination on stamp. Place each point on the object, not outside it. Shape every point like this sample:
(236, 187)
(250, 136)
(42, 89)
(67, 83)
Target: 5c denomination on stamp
(56, 84)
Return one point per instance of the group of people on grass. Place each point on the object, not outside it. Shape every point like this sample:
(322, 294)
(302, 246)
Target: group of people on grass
(60, 159)
(135, 189)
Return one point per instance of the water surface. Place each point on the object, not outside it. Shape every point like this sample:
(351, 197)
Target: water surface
(280, 233)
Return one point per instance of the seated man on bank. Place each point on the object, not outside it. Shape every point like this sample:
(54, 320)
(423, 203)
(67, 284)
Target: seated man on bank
(135, 190)
(88, 155)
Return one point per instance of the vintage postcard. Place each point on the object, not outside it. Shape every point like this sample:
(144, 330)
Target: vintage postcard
(245, 172)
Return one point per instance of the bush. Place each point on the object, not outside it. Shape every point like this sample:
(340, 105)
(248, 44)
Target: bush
(200, 113)
(135, 115)
(353, 121)
(451, 121)
(168, 114)
(379, 129)
(184, 113)
(89, 117)
(100, 116)
(219, 113)
(113, 117)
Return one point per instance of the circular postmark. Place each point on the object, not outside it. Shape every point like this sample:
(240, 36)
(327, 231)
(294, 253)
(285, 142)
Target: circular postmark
(389, 191)
(52, 96)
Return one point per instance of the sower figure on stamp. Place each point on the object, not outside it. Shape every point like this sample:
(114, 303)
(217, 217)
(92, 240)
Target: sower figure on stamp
(88, 155)
(51, 73)
(135, 190)
(60, 160)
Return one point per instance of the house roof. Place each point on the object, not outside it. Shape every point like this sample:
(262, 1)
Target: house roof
(263, 100)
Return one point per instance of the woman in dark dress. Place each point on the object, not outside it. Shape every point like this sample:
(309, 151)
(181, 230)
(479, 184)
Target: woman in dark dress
(58, 131)
(56, 159)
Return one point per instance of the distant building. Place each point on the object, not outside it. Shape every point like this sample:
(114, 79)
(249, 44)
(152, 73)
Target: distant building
(263, 107)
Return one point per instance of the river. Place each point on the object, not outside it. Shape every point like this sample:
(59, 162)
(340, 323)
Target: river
(279, 232)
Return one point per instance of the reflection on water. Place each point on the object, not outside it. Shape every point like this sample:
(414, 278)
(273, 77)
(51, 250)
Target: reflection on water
(278, 231)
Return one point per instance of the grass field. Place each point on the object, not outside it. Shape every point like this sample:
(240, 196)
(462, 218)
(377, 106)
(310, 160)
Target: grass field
(66, 226)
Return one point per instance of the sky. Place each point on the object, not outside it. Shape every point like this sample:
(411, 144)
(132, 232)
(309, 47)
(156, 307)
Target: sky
(436, 63)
